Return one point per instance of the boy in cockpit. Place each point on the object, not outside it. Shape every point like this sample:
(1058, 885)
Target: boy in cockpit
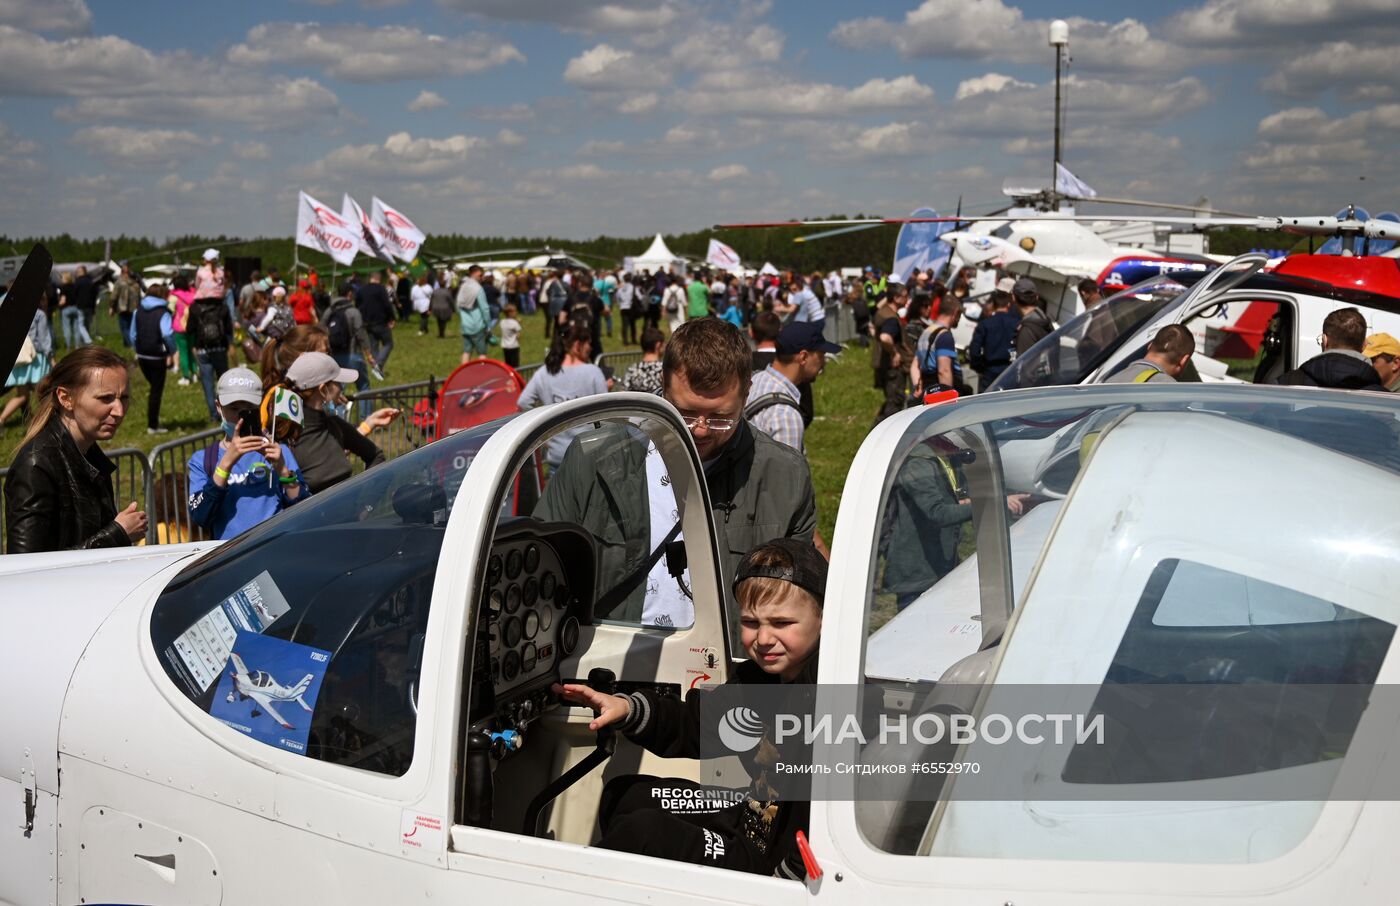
(779, 587)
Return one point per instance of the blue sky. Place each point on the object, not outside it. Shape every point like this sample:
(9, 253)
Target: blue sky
(573, 119)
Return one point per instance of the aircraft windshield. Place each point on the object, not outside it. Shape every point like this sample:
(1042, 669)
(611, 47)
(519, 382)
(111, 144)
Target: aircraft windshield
(306, 633)
(1071, 353)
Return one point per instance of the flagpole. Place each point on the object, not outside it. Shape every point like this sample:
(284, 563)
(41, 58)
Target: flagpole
(1059, 39)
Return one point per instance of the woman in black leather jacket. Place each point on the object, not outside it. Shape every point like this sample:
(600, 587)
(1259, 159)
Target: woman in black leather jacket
(58, 495)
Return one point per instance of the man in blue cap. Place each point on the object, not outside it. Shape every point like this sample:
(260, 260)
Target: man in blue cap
(774, 401)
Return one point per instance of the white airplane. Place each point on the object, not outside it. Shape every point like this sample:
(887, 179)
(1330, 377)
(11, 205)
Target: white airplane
(264, 690)
(438, 762)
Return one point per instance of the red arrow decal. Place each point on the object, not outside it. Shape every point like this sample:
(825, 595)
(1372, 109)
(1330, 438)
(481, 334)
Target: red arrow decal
(702, 677)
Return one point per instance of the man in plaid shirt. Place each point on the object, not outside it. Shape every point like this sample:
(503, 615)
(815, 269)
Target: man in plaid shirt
(774, 400)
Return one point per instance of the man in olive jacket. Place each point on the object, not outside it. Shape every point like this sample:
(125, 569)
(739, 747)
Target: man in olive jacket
(759, 489)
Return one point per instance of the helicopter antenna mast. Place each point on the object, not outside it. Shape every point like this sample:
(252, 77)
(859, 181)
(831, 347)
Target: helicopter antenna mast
(1059, 39)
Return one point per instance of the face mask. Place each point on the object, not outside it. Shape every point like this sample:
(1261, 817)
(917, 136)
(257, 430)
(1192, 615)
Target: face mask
(229, 428)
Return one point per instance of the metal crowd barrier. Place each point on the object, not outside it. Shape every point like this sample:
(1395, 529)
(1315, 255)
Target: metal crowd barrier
(528, 371)
(168, 489)
(415, 427)
(840, 325)
(619, 361)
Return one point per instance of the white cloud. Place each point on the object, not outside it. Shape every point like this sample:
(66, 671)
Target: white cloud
(992, 30)
(740, 93)
(509, 138)
(889, 140)
(401, 156)
(1012, 108)
(617, 16)
(251, 150)
(728, 173)
(606, 68)
(1355, 73)
(116, 79)
(64, 17)
(278, 101)
(1266, 23)
(361, 53)
(175, 183)
(139, 146)
(426, 100)
(991, 82)
(639, 103)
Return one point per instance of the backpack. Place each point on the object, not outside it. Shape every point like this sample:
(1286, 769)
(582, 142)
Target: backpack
(210, 333)
(338, 329)
(768, 401)
(282, 321)
(928, 364)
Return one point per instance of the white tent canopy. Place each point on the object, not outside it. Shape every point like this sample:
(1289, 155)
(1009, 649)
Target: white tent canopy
(658, 256)
(768, 269)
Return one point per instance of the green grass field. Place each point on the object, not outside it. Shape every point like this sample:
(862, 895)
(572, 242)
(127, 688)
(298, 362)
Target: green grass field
(845, 402)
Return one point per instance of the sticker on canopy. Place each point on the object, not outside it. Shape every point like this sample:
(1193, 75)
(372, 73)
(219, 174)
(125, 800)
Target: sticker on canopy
(268, 690)
(203, 648)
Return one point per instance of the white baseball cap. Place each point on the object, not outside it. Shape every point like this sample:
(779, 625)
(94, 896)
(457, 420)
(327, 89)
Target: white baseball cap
(240, 385)
(211, 254)
(312, 369)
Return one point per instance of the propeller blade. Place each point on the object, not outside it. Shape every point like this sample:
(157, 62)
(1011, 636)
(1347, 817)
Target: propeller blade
(841, 232)
(18, 307)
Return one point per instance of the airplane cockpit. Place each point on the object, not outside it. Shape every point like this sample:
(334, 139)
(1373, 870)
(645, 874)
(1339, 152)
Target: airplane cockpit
(603, 571)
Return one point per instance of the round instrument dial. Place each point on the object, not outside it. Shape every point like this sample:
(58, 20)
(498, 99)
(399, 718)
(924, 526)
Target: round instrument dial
(548, 585)
(568, 635)
(512, 598)
(546, 618)
(493, 570)
(531, 591)
(510, 665)
(510, 632)
(494, 602)
(532, 624)
(532, 558)
(529, 657)
(514, 560)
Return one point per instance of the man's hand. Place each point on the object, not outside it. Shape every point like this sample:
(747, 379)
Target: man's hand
(1018, 504)
(133, 522)
(609, 708)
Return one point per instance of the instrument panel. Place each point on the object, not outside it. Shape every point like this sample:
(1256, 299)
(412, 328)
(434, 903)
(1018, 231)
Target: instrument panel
(527, 608)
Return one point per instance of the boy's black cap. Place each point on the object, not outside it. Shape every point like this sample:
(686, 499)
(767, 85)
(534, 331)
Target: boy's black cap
(808, 570)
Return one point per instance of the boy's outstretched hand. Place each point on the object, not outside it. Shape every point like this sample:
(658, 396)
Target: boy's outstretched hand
(608, 708)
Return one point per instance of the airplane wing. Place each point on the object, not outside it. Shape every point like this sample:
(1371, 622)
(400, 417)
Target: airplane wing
(266, 704)
(238, 665)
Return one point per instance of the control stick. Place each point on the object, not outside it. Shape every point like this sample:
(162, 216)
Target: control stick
(605, 681)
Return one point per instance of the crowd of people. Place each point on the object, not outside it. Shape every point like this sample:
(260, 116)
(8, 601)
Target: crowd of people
(194, 327)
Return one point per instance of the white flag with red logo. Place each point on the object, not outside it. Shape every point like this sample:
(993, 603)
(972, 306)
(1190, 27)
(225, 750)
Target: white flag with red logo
(398, 235)
(371, 242)
(320, 228)
(722, 256)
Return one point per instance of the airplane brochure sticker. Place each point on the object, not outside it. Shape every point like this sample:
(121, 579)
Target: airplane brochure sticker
(268, 688)
(203, 648)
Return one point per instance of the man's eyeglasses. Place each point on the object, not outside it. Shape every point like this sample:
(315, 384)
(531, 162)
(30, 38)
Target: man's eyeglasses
(713, 425)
